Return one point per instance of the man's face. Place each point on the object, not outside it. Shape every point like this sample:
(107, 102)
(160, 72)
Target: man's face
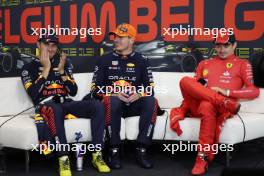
(52, 49)
(225, 50)
(122, 43)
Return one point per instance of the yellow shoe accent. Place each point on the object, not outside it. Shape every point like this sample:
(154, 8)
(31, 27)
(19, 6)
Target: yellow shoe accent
(98, 162)
(65, 168)
(45, 148)
(70, 116)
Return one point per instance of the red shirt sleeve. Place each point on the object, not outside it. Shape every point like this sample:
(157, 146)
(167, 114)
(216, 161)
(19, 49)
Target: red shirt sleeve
(249, 91)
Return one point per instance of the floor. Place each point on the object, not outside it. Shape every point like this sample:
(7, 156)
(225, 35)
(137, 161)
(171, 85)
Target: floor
(247, 159)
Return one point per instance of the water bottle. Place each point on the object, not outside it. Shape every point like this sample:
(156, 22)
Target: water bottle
(79, 152)
(79, 157)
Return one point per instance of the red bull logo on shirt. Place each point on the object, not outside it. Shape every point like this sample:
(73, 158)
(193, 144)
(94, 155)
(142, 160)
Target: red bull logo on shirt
(55, 86)
(122, 83)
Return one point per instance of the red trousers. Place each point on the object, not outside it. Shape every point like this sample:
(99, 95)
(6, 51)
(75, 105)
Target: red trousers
(204, 103)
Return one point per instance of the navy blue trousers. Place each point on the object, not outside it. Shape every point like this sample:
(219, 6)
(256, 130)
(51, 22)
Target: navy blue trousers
(145, 107)
(52, 129)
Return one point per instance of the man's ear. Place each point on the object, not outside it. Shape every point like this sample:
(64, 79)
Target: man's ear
(132, 40)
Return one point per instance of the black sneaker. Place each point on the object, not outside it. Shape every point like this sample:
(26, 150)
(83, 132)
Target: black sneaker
(142, 160)
(114, 158)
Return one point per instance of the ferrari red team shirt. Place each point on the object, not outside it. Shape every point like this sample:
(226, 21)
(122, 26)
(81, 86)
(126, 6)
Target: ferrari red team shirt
(232, 73)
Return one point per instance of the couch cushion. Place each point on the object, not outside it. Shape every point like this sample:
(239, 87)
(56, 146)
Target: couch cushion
(13, 96)
(167, 85)
(83, 81)
(190, 128)
(167, 89)
(132, 127)
(232, 133)
(21, 131)
(83, 125)
(253, 125)
(254, 106)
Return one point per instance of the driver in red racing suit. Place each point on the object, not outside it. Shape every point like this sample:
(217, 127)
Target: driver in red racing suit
(212, 96)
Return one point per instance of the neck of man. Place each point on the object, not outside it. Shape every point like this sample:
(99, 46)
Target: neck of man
(228, 57)
(125, 52)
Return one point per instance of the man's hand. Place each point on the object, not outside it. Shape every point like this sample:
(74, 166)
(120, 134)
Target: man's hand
(44, 56)
(220, 90)
(62, 63)
(44, 60)
(134, 97)
(123, 97)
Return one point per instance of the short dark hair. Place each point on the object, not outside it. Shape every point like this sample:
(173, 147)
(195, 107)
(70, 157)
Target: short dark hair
(49, 38)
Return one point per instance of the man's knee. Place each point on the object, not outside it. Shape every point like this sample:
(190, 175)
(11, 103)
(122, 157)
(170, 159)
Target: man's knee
(149, 102)
(50, 109)
(185, 81)
(150, 107)
(98, 109)
(98, 106)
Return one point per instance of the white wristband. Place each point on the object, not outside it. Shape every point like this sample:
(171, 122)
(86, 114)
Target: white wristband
(228, 92)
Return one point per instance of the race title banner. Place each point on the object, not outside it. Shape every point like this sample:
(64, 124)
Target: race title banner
(83, 26)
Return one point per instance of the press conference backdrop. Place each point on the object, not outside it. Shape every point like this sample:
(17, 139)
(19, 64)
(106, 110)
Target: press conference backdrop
(156, 22)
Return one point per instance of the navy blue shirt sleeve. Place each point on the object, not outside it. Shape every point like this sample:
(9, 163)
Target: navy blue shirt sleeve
(33, 83)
